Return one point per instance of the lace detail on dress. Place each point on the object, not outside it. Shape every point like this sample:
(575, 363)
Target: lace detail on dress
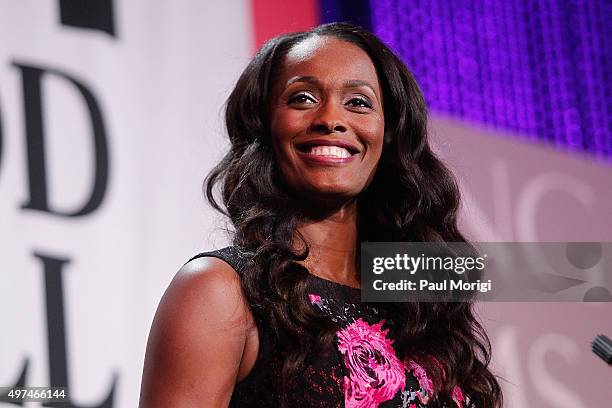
(373, 374)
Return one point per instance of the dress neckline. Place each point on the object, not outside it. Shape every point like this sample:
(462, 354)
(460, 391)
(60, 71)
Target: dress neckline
(328, 282)
(332, 283)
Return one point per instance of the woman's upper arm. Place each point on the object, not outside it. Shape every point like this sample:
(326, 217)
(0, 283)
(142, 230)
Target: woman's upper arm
(197, 338)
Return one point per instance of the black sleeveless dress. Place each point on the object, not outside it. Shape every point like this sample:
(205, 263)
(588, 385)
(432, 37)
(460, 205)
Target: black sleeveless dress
(361, 370)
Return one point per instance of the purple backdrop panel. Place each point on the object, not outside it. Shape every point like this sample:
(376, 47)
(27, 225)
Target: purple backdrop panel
(538, 68)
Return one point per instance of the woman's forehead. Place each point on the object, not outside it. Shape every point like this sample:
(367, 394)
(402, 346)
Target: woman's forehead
(328, 57)
(306, 48)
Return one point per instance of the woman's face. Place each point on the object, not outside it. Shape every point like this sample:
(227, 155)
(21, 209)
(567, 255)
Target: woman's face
(327, 120)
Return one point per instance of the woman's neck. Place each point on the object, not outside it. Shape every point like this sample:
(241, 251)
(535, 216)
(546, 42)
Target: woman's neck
(333, 245)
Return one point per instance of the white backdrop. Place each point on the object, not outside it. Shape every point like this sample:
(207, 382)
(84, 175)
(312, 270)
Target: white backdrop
(160, 84)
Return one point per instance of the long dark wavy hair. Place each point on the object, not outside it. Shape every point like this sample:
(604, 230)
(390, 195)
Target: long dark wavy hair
(412, 197)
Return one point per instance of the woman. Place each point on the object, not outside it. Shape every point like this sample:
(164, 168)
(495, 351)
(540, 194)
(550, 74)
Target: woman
(328, 148)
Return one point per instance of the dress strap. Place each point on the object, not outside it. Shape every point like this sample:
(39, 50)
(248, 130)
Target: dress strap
(229, 254)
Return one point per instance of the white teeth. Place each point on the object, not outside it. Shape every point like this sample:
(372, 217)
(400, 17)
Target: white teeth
(333, 151)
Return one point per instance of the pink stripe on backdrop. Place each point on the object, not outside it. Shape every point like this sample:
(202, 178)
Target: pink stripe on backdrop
(274, 17)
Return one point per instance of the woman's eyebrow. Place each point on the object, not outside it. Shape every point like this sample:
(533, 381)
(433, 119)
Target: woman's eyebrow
(351, 83)
(308, 79)
(356, 83)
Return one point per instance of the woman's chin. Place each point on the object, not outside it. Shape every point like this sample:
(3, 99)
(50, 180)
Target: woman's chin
(328, 196)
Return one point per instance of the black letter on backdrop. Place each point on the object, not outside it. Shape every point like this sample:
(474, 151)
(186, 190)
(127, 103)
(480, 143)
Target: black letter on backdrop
(56, 332)
(92, 14)
(20, 383)
(34, 129)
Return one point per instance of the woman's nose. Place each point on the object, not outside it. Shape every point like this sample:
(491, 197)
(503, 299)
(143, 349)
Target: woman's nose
(328, 120)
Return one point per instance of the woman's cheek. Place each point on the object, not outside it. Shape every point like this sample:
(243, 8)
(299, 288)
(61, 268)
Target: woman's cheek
(288, 125)
(372, 129)
(374, 142)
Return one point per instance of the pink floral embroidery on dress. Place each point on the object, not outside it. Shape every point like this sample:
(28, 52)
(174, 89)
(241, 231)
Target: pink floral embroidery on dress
(421, 375)
(314, 299)
(375, 374)
(457, 396)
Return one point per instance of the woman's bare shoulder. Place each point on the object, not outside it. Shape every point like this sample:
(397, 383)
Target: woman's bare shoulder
(211, 286)
(197, 337)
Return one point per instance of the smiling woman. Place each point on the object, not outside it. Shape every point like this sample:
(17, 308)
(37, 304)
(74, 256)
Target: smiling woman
(329, 148)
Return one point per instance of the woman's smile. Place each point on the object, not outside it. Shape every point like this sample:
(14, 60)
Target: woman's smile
(327, 151)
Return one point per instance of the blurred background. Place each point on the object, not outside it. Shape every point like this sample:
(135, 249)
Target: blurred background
(111, 116)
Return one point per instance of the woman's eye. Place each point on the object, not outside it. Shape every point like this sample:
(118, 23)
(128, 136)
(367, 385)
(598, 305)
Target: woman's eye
(302, 98)
(360, 103)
